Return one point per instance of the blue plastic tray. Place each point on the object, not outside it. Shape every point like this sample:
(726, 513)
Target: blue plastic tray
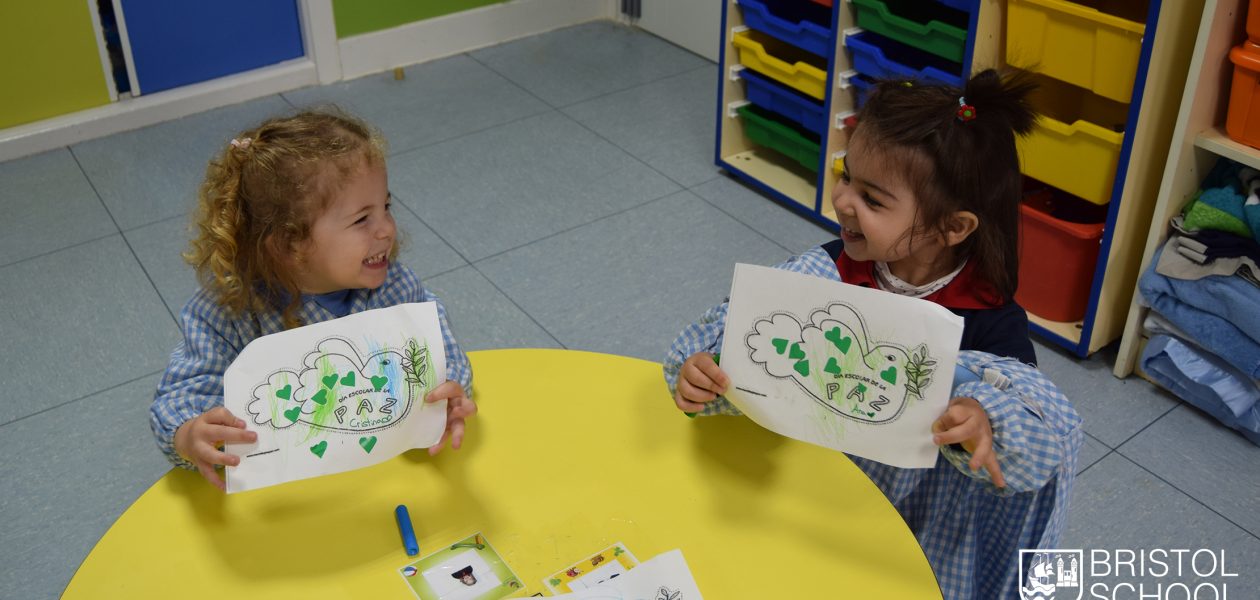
(795, 29)
(861, 85)
(882, 58)
(794, 106)
(963, 5)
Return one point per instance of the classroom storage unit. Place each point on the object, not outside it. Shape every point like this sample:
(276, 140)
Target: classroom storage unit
(1198, 142)
(1101, 138)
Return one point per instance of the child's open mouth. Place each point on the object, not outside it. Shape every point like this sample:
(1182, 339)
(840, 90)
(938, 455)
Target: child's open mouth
(848, 235)
(376, 261)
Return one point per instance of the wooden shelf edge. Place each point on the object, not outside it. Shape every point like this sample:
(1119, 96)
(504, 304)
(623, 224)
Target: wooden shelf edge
(1216, 141)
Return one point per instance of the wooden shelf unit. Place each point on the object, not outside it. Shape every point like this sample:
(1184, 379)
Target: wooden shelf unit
(1198, 141)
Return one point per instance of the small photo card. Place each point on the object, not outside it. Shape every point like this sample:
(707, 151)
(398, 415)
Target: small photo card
(593, 570)
(469, 569)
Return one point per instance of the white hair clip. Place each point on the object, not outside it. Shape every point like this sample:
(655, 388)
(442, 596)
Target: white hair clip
(242, 143)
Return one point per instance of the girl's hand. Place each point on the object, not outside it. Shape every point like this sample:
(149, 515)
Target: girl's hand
(458, 407)
(965, 421)
(699, 380)
(199, 441)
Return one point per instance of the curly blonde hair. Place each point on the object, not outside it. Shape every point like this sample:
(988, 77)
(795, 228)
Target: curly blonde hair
(260, 197)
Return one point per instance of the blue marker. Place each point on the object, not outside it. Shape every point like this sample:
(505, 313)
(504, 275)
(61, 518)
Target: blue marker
(404, 528)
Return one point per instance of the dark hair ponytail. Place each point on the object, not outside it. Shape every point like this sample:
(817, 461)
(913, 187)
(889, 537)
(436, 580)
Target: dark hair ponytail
(971, 160)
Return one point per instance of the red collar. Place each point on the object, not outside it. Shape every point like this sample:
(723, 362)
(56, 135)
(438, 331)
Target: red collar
(965, 291)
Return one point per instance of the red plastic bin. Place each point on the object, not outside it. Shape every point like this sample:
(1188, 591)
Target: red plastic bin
(1060, 236)
(1242, 122)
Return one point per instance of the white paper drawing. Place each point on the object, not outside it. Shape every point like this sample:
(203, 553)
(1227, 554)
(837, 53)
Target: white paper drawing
(337, 395)
(845, 367)
(664, 577)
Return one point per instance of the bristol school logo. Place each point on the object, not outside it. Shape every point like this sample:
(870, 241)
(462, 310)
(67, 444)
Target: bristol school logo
(1051, 574)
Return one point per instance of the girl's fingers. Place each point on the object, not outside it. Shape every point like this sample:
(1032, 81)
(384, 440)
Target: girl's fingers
(700, 380)
(209, 473)
(955, 434)
(456, 430)
(434, 449)
(995, 470)
(228, 433)
(446, 391)
(714, 374)
(693, 394)
(222, 416)
(980, 455)
(685, 405)
(464, 408)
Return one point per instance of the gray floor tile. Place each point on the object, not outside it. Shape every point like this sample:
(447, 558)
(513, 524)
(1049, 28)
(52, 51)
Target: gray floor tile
(1113, 409)
(584, 61)
(436, 101)
(78, 321)
(160, 245)
(773, 220)
(481, 317)
(1117, 505)
(47, 205)
(152, 174)
(516, 183)
(667, 124)
(1091, 452)
(70, 473)
(629, 283)
(1212, 463)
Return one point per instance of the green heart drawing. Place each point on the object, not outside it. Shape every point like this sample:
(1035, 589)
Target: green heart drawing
(320, 397)
(330, 380)
(832, 367)
(284, 392)
(802, 367)
(293, 413)
(348, 380)
(796, 352)
(840, 341)
(889, 375)
(780, 344)
(318, 449)
(379, 382)
(368, 443)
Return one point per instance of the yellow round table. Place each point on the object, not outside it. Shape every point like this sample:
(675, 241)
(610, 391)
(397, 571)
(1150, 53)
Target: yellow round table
(571, 452)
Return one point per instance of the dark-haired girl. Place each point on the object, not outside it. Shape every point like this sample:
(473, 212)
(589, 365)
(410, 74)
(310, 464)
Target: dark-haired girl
(929, 207)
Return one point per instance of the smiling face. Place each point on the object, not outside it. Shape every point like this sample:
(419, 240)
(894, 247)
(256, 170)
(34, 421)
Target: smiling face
(878, 213)
(351, 241)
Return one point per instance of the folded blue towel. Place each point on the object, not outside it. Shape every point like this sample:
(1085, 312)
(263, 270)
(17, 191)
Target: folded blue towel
(1205, 381)
(1219, 311)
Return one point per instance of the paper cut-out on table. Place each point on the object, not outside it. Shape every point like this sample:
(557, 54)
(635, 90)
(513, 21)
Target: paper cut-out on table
(337, 395)
(663, 577)
(845, 367)
(469, 569)
(613, 561)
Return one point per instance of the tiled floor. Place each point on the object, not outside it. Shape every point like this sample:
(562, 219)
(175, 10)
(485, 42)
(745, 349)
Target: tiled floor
(552, 201)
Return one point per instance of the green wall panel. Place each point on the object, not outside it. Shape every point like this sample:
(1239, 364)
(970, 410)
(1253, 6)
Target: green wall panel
(362, 16)
(51, 65)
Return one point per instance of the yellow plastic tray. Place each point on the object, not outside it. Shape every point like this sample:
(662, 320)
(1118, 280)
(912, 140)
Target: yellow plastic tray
(1078, 44)
(1079, 158)
(762, 54)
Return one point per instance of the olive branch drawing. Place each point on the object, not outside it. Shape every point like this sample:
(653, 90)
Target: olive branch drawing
(416, 363)
(919, 372)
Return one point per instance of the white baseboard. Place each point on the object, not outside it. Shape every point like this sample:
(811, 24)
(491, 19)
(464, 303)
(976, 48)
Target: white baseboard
(359, 55)
(133, 113)
(440, 37)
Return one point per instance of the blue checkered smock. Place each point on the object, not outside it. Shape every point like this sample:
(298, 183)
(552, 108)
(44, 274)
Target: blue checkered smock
(193, 382)
(970, 530)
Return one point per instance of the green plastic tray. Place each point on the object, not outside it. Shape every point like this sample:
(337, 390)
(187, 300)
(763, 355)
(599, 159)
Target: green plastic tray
(780, 137)
(931, 35)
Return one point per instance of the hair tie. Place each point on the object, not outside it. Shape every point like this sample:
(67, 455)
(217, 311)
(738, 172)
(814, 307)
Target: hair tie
(241, 144)
(966, 112)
